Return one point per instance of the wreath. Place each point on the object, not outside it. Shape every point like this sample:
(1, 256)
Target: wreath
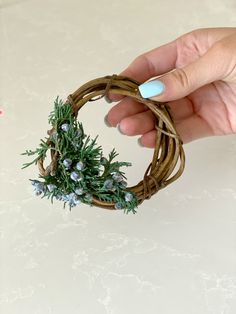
(79, 172)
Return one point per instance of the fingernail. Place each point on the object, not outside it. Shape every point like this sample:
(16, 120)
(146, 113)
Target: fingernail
(106, 121)
(139, 142)
(108, 99)
(119, 128)
(152, 88)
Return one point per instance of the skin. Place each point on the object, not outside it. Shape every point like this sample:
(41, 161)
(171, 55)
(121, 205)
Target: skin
(199, 73)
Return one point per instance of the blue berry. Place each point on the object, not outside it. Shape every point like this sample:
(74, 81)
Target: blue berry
(79, 191)
(67, 163)
(72, 199)
(88, 197)
(65, 197)
(117, 177)
(128, 197)
(65, 127)
(118, 205)
(123, 184)
(108, 184)
(80, 165)
(39, 187)
(77, 201)
(37, 192)
(75, 176)
(51, 187)
(59, 197)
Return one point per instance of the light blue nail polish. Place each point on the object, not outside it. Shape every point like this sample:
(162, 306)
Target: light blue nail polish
(119, 129)
(106, 121)
(139, 142)
(151, 88)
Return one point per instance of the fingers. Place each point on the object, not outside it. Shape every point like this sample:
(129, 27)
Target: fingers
(215, 34)
(127, 107)
(150, 64)
(153, 63)
(148, 139)
(204, 57)
(180, 109)
(139, 123)
(212, 66)
(189, 130)
(134, 119)
(189, 126)
(193, 128)
(164, 58)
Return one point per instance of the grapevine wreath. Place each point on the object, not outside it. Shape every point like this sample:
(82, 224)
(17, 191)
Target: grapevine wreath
(79, 173)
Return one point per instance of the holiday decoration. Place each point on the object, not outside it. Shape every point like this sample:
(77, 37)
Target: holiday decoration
(78, 171)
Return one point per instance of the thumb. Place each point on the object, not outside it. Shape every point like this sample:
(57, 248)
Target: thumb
(180, 82)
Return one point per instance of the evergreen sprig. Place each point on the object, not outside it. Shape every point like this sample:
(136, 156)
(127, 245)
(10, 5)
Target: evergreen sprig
(82, 171)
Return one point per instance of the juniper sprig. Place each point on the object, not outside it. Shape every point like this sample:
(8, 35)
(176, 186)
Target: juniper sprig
(82, 172)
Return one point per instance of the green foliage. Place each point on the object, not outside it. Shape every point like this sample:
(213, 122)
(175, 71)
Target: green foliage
(82, 171)
(41, 152)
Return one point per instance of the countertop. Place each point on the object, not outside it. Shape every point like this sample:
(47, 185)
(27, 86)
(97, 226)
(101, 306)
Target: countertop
(177, 255)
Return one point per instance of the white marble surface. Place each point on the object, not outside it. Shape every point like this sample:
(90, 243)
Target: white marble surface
(178, 254)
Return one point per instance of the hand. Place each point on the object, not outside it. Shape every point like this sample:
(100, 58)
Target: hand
(196, 75)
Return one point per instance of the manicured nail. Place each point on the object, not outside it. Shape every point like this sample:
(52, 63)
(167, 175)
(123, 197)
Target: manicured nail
(107, 99)
(119, 129)
(106, 121)
(152, 88)
(139, 142)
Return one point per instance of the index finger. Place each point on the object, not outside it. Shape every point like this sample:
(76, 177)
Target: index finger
(150, 64)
